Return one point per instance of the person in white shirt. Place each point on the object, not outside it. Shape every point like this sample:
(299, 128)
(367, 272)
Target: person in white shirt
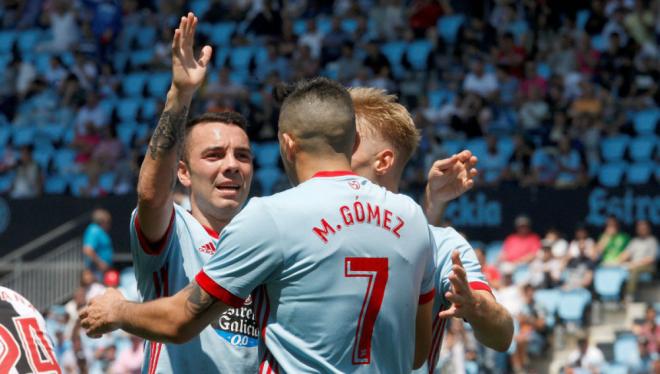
(480, 82)
(640, 255)
(586, 357)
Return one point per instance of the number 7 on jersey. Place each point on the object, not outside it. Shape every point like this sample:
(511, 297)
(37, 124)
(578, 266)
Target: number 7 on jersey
(376, 270)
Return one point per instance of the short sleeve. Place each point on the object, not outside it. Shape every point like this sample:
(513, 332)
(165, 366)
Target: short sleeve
(248, 255)
(428, 281)
(149, 256)
(90, 238)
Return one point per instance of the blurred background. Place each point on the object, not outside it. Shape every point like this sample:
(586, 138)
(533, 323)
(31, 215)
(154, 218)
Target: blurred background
(559, 100)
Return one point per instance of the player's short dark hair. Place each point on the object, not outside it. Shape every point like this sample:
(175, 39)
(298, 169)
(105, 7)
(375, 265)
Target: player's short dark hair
(320, 113)
(229, 118)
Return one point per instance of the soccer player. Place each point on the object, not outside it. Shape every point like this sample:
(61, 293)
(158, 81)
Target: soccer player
(25, 347)
(388, 139)
(211, 156)
(340, 263)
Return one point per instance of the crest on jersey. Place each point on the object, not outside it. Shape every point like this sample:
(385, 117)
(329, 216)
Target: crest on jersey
(354, 185)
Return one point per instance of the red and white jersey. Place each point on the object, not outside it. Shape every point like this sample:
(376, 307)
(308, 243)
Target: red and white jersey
(25, 347)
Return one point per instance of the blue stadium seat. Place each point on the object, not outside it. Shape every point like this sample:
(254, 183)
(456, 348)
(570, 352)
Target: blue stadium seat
(521, 274)
(53, 131)
(645, 121)
(493, 252)
(28, 39)
(299, 26)
(581, 18)
(55, 184)
(418, 53)
(324, 25)
(42, 156)
(394, 52)
(64, 159)
(5, 59)
(640, 172)
(119, 61)
(349, 25)
(471, 367)
(141, 131)
(572, 305)
(608, 282)
(107, 180)
(613, 147)
(506, 146)
(221, 33)
(6, 181)
(641, 148)
(610, 368)
(108, 105)
(133, 84)
(518, 29)
(149, 110)
(5, 134)
(127, 109)
(146, 37)
(448, 27)
(77, 183)
(267, 154)
(598, 43)
(260, 55)
(158, 84)
(548, 300)
(23, 136)
(440, 97)
(544, 70)
(199, 7)
(42, 62)
(626, 350)
(142, 57)
(610, 175)
(452, 146)
(267, 178)
(125, 132)
(7, 39)
(220, 59)
(478, 147)
(240, 57)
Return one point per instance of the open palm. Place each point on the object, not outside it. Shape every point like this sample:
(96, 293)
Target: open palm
(187, 72)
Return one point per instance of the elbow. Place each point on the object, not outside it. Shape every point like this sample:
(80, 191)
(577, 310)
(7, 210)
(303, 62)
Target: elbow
(180, 333)
(503, 344)
(418, 363)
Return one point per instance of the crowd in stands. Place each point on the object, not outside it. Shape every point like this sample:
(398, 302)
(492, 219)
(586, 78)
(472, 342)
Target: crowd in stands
(561, 94)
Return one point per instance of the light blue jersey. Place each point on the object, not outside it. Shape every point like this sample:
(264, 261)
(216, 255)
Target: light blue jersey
(339, 265)
(447, 240)
(228, 345)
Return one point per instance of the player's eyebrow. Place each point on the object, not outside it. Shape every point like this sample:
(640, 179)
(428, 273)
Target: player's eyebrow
(221, 148)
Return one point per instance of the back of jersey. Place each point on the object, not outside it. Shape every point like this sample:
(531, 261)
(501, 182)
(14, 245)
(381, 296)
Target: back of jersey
(343, 264)
(25, 346)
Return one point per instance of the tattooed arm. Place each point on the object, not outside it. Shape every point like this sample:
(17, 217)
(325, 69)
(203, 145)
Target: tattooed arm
(158, 173)
(174, 319)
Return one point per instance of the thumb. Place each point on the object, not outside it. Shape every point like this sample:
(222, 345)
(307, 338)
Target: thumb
(207, 51)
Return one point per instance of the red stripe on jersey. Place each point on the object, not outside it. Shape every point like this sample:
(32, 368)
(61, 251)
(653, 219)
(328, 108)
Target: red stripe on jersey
(333, 173)
(425, 298)
(211, 232)
(149, 247)
(217, 291)
(480, 286)
(266, 314)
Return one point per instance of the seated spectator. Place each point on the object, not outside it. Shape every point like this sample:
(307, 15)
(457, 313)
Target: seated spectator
(29, 179)
(510, 56)
(558, 244)
(597, 18)
(333, 41)
(534, 111)
(312, 38)
(348, 64)
(63, 28)
(492, 166)
(533, 81)
(545, 269)
(97, 244)
(226, 90)
(109, 150)
(570, 165)
(90, 285)
(91, 112)
(579, 269)
(56, 73)
(544, 166)
(479, 81)
(586, 357)
(611, 243)
(582, 243)
(490, 271)
(510, 294)
(521, 246)
(588, 103)
(531, 337)
(274, 62)
(519, 166)
(85, 143)
(649, 329)
(639, 256)
(425, 13)
(129, 360)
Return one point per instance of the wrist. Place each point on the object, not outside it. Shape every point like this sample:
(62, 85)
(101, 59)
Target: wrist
(117, 315)
(181, 95)
(475, 313)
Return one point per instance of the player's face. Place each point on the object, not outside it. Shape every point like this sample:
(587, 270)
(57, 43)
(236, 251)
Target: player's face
(219, 169)
(363, 161)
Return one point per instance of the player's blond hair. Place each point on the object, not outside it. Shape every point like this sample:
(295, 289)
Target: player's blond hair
(378, 113)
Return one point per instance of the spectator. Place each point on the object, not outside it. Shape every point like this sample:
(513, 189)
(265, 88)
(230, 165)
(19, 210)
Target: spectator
(521, 246)
(225, 92)
(424, 14)
(544, 166)
(267, 21)
(84, 143)
(129, 360)
(510, 56)
(586, 357)
(569, 162)
(582, 244)
(519, 166)
(91, 113)
(333, 41)
(312, 38)
(615, 25)
(545, 269)
(639, 256)
(597, 18)
(490, 271)
(558, 244)
(492, 166)
(510, 294)
(646, 357)
(649, 329)
(63, 27)
(579, 268)
(90, 285)
(274, 62)
(534, 111)
(109, 150)
(612, 242)
(29, 179)
(375, 59)
(531, 332)
(56, 73)
(97, 245)
(479, 82)
(348, 64)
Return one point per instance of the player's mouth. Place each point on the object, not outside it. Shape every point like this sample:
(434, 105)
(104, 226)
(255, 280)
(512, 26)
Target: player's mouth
(228, 188)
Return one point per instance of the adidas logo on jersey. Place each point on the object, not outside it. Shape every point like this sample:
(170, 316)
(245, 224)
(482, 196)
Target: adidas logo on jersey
(207, 248)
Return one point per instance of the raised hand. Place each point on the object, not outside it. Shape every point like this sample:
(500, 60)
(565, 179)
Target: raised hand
(187, 71)
(98, 317)
(450, 178)
(461, 297)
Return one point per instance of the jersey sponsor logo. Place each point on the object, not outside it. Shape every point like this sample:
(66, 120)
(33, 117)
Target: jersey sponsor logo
(238, 326)
(362, 213)
(208, 248)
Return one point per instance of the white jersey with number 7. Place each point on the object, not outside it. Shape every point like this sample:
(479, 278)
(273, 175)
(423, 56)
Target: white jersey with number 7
(338, 266)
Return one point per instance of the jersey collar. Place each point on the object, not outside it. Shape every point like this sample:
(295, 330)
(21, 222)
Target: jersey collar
(211, 232)
(332, 173)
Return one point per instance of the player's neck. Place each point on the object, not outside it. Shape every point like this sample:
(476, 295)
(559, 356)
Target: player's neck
(217, 224)
(308, 165)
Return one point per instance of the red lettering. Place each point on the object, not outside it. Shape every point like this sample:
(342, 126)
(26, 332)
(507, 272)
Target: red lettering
(373, 214)
(359, 211)
(324, 231)
(346, 215)
(395, 231)
(387, 219)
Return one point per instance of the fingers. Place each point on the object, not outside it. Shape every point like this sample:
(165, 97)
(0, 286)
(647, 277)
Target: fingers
(445, 163)
(204, 59)
(176, 41)
(464, 155)
(456, 258)
(192, 25)
(455, 299)
(449, 313)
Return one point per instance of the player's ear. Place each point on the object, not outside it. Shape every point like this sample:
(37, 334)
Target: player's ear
(183, 173)
(289, 146)
(384, 161)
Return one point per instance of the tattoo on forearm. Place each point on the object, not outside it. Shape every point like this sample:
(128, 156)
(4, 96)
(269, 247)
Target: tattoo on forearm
(198, 301)
(169, 133)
